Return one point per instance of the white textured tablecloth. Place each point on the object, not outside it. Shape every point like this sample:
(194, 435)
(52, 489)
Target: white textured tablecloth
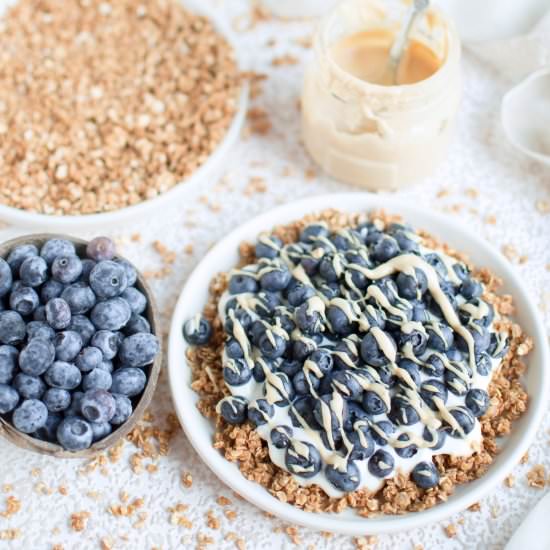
(509, 187)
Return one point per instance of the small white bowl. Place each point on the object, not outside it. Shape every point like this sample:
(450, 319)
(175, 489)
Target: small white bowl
(177, 194)
(200, 431)
(525, 115)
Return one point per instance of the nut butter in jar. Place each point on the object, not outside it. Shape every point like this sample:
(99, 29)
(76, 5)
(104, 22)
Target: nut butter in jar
(361, 122)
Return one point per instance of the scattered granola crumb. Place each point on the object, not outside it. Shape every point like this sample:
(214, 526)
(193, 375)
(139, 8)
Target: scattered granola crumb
(187, 480)
(524, 459)
(543, 206)
(258, 121)
(106, 543)
(293, 534)
(13, 505)
(79, 521)
(7, 488)
(495, 511)
(255, 185)
(62, 490)
(450, 531)
(510, 252)
(188, 249)
(224, 501)
(509, 481)
(231, 515)
(362, 543)
(536, 477)
(283, 60)
(491, 219)
(475, 507)
(304, 41)
(472, 193)
(212, 521)
(442, 193)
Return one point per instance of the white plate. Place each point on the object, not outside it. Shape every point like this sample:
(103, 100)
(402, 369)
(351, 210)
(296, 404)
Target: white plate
(200, 178)
(200, 431)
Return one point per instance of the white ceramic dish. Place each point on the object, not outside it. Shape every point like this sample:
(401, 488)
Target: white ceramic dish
(200, 431)
(525, 115)
(102, 221)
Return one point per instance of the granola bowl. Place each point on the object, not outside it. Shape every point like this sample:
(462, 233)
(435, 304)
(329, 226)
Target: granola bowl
(179, 187)
(338, 514)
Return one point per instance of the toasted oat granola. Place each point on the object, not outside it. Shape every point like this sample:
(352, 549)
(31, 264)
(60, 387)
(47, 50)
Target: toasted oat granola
(399, 495)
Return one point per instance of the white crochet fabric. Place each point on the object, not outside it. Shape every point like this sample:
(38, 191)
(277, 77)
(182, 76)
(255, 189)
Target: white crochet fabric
(509, 186)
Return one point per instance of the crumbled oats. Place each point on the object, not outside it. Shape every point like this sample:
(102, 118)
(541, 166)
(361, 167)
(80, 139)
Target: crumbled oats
(510, 252)
(255, 185)
(224, 501)
(495, 511)
(475, 507)
(122, 510)
(283, 60)
(304, 41)
(543, 206)
(450, 531)
(79, 521)
(509, 481)
(62, 490)
(212, 521)
(442, 193)
(7, 488)
(106, 543)
(187, 480)
(231, 515)
(258, 121)
(472, 193)
(491, 219)
(13, 505)
(188, 249)
(536, 477)
(293, 535)
(524, 459)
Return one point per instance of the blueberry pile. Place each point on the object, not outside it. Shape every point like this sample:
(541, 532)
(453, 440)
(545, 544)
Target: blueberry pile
(74, 341)
(356, 353)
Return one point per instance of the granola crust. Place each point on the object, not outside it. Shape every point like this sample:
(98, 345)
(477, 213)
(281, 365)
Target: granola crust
(241, 444)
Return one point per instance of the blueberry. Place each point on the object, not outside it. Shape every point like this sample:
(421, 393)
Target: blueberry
(137, 323)
(98, 406)
(371, 351)
(30, 416)
(454, 355)
(67, 345)
(24, 300)
(129, 269)
(80, 297)
(498, 346)
(58, 313)
(481, 337)
(435, 438)
(420, 313)
(431, 389)
(406, 244)
(389, 289)
(425, 475)
(8, 398)
(87, 266)
(275, 279)
(403, 413)
(305, 382)
(139, 349)
(98, 379)
(347, 480)
(272, 345)
(290, 367)
(107, 342)
(108, 279)
(266, 304)
(310, 264)
(302, 459)
(345, 354)
(237, 372)
(327, 270)
(75, 434)
(457, 383)
(381, 463)
(415, 339)
(36, 357)
(51, 289)
(363, 443)
(412, 370)
(197, 331)
(56, 399)
(373, 237)
(483, 364)
(313, 232)
(385, 249)
(477, 400)
(412, 287)
(123, 409)
(84, 327)
(322, 359)
(302, 412)
(39, 314)
(381, 431)
(338, 320)
(434, 259)
(56, 247)
(111, 314)
(260, 412)
(268, 246)
(33, 271)
(302, 348)
(233, 409)
(405, 451)
(48, 431)
(280, 436)
(100, 430)
(470, 288)
(329, 290)
(12, 327)
(18, 255)
(129, 381)
(434, 366)
(101, 249)
(240, 284)
(106, 365)
(345, 383)
(342, 240)
(8, 363)
(464, 419)
(66, 269)
(63, 375)
(29, 387)
(308, 320)
(74, 407)
(299, 293)
(136, 300)
(440, 337)
(258, 370)
(373, 403)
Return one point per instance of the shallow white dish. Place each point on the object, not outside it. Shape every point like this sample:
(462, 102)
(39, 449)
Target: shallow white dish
(199, 430)
(525, 115)
(198, 180)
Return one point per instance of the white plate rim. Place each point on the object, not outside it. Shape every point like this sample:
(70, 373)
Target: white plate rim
(185, 398)
(103, 220)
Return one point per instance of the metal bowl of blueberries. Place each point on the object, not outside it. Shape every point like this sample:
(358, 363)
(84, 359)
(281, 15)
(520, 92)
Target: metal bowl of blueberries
(79, 352)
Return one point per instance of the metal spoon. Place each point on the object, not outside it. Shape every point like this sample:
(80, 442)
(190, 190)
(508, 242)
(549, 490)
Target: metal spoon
(402, 40)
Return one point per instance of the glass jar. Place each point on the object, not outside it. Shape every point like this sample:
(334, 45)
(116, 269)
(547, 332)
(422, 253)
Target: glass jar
(372, 135)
